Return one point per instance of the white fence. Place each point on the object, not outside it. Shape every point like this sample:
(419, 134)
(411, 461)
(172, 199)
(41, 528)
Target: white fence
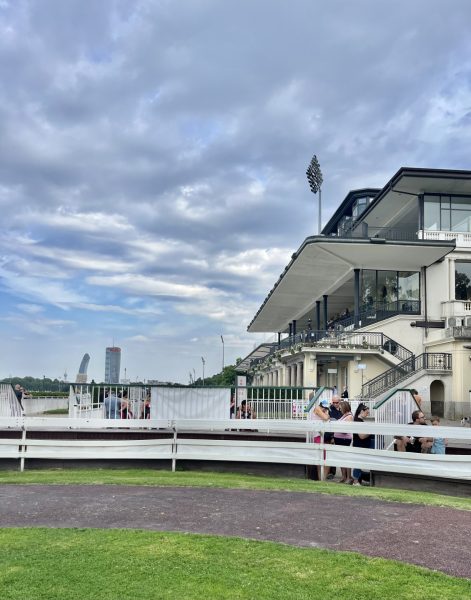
(396, 408)
(173, 447)
(289, 403)
(164, 402)
(9, 405)
(38, 405)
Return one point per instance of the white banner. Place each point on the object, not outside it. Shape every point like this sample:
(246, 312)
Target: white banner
(190, 403)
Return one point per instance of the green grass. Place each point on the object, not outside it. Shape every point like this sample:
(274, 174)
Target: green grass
(224, 480)
(85, 564)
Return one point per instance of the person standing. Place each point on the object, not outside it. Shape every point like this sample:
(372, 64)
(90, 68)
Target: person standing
(344, 394)
(19, 395)
(320, 413)
(334, 415)
(112, 406)
(344, 439)
(361, 440)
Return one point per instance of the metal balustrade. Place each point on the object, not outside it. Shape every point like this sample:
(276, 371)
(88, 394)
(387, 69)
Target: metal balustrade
(346, 340)
(439, 361)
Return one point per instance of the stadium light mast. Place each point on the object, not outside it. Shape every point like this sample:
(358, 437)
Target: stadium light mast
(203, 361)
(314, 177)
(222, 340)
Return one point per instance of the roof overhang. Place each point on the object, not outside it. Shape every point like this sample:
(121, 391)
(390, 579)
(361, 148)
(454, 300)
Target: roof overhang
(259, 352)
(407, 184)
(322, 265)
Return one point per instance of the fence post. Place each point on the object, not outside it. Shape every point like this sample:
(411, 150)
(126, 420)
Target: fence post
(174, 450)
(323, 457)
(23, 449)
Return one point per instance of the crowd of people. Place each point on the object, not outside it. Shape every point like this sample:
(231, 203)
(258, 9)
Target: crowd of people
(116, 405)
(339, 409)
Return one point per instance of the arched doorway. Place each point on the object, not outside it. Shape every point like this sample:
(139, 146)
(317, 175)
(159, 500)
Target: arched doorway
(437, 398)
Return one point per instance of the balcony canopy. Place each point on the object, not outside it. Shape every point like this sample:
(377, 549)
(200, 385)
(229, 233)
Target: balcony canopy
(325, 266)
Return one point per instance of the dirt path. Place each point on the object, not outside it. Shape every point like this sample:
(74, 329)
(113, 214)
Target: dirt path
(437, 538)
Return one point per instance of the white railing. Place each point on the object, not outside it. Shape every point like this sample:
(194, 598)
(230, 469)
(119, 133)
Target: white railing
(9, 405)
(456, 308)
(158, 402)
(396, 409)
(172, 447)
(88, 401)
(462, 238)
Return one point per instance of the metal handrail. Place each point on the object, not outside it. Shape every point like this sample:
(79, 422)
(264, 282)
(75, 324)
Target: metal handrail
(428, 360)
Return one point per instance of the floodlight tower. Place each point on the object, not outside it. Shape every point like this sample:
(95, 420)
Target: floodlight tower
(203, 361)
(314, 176)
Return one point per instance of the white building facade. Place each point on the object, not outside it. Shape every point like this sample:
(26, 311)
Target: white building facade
(381, 299)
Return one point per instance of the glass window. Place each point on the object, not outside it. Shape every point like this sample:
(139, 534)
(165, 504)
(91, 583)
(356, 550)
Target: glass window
(432, 213)
(445, 220)
(461, 220)
(368, 286)
(461, 202)
(462, 280)
(409, 285)
(387, 286)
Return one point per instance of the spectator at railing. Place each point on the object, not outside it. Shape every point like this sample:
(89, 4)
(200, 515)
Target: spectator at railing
(334, 415)
(439, 444)
(361, 440)
(145, 410)
(320, 413)
(245, 411)
(19, 394)
(112, 405)
(344, 394)
(124, 410)
(413, 444)
(344, 439)
(417, 397)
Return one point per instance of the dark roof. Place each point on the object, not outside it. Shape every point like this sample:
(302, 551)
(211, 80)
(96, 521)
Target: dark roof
(415, 172)
(344, 208)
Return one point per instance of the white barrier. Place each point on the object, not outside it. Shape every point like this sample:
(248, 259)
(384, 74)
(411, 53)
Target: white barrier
(35, 406)
(9, 405)
(175, 448)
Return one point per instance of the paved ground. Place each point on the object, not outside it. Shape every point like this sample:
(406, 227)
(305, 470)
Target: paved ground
(437, 538)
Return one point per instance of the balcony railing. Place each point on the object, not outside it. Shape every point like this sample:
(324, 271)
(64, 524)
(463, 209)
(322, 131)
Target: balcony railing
(329, 340)
(462, 238)
(363, 231)
(378, 311)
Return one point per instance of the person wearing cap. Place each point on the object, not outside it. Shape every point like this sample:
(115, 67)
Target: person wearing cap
(334, 415)
(320, 413)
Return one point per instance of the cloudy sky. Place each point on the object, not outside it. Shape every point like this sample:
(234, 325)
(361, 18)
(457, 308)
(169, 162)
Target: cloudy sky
(153, 157)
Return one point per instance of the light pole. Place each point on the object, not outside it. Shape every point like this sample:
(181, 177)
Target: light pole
(203, 361)
(314, 176)
(222, 340)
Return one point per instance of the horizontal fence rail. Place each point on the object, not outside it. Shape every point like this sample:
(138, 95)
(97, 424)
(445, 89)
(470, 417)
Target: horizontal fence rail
(173, 445)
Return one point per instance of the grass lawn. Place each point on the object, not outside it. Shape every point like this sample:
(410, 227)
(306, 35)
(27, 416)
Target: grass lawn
(224, 480)
(91, 564)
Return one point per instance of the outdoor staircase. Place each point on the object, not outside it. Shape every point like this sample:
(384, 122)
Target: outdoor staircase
(435, 361)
